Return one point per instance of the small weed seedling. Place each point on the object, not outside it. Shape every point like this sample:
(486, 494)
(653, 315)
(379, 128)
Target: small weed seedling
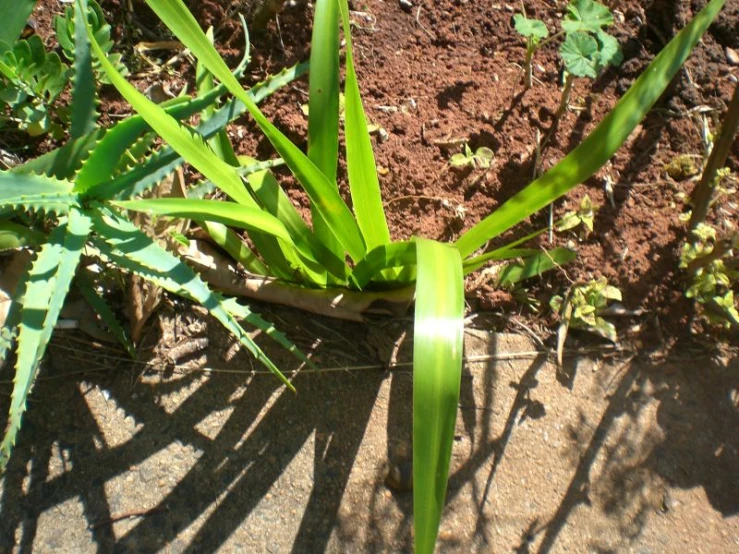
(713, 269)
(712, 262)
(534, 31)
(587, 49)
(582, 307)
(480, 158)
(584, 216)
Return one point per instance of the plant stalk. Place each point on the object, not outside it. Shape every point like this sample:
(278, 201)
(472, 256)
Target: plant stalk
(527, 70)
(703, 192)
(566, 92)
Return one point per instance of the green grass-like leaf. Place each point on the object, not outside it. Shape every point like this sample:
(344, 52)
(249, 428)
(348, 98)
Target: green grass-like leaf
(360, 160)
(320, 190)
(323, 106)
(437, 369)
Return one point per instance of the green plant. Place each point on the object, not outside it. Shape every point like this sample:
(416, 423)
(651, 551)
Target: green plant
(711, 262)
(586, 50)
(61, 204)
(31, 79)
(315, 258)
(582, 307)
(534, 30)
(64, 27)
(584, 216)
(713, 269)
(482, 157)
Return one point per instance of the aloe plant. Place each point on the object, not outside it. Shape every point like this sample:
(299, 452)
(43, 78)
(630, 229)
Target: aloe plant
(291, 251)
(71, 191)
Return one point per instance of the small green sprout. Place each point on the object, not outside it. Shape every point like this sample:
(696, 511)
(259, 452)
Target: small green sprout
(534, 30)
(582, 306)
(584, 216)
(713, 272)
(587, 49)
(480, 158)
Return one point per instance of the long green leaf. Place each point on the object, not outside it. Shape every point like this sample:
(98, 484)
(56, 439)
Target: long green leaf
(396, 254)
(227, 213)
(84, 101)
(601, 144)
(48, 283)
(131, 249)
(320, 190)
(534, 265)
(360, 159)
(323, 106)
(189, 145)
(437, 370)
(231, 242)
(149, 172)
(276, 202)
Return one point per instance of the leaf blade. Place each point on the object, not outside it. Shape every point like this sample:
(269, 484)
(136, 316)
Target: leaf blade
(437, 368)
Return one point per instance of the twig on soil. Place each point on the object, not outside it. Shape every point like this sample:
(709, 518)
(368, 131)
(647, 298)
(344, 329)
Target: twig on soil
(128, 515)
(418, 22)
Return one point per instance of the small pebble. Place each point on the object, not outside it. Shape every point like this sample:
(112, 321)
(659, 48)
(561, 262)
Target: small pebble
(406, 5)
(732, 56)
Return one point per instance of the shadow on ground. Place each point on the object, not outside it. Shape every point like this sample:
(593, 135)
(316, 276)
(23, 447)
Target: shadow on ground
(633, 454)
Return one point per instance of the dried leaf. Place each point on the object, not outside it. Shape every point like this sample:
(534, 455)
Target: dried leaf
(144, 297)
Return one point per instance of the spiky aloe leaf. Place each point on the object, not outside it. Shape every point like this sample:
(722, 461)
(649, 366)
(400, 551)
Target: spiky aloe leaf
(437, 370)
(71, 23)
(35, 193)
(240, 311)
(48, 283)
(84, 98)
(63, 162)
(131, 249)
